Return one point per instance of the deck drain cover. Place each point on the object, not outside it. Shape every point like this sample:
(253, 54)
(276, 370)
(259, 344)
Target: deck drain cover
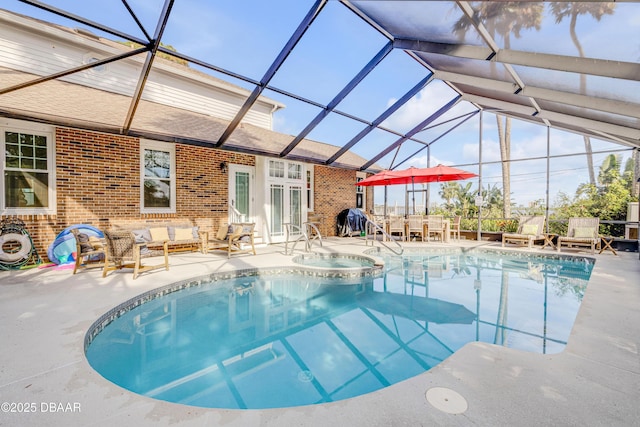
(446, 400)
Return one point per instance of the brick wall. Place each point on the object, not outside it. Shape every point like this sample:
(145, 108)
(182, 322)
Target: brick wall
(335, 191)
(98, 183)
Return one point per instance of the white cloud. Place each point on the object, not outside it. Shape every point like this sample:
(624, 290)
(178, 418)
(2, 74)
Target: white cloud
(421, 106)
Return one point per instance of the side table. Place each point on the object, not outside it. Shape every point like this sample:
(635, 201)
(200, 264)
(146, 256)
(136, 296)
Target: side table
(605, 244)
(548, 240)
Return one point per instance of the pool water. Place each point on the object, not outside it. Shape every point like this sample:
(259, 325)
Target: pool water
(283, 340)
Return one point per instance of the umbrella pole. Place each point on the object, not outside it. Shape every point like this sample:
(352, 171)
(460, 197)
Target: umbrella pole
(426, 202)
(406, 200)
(413, 196)
(385, 201)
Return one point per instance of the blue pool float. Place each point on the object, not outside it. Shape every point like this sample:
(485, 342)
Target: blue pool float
(64, 246)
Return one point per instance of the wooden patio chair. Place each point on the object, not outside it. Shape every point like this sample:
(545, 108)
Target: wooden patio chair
(435, 226)
(396, 225)
(90, 251)
(455, 227)
(233, 239)
(581, 232)
(122, 251)
(530, 229)
(415, 225)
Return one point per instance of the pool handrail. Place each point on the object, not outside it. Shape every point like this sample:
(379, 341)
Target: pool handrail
(303, 234)
(374, 230)
(313, 233)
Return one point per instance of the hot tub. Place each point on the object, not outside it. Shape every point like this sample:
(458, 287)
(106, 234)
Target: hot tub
(336, 261)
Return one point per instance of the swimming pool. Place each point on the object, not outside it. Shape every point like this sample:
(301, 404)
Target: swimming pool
(287, 337)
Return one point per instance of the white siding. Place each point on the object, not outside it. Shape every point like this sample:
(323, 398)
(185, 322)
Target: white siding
(50, 50)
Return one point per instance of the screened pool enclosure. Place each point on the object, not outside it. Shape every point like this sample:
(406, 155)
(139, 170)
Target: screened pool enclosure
(541, 92)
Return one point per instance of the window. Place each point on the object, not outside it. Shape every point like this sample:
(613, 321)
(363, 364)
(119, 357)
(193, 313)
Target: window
(276, 169)
(158, 177)
(310, 188)
(294, 171)
(360, 192)
(28, 177)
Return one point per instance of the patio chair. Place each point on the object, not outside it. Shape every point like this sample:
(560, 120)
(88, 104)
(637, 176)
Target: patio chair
(581, 232)
(530, 230)
(435, 226)
(415, 225)
(90, 251)
(231, 238)
(317, 220)
(396, 225)
(122, 251)
(455, 227)
(379, 220)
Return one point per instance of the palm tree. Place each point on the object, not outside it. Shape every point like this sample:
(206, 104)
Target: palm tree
(449, 191)
(504, 19)
(504, 136)
(609, 170)
(573, 10)
(492, 196)
(630, 175)
(465, 200)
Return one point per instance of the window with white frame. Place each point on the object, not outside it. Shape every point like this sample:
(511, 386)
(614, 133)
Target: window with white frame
(276, 168)
(361, 195)
(158, 177)
(28, 168)
(310, 204)
(294, 171)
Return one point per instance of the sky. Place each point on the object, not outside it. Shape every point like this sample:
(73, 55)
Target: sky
(245, 36)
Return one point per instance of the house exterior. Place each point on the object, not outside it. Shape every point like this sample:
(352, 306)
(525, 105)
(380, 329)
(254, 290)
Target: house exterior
(66, 160)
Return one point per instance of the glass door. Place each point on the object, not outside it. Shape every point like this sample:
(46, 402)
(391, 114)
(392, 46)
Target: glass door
(285, 198)
(240, 193)
(295, 205)
(277, 210)
(285, 208)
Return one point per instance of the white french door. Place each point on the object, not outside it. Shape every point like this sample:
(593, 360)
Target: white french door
(241, 190)
(285, 201)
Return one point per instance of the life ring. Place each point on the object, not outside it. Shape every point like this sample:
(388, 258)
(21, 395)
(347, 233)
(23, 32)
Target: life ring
(25, 247)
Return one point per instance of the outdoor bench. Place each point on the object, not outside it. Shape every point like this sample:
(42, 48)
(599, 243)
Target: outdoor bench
(180, 235)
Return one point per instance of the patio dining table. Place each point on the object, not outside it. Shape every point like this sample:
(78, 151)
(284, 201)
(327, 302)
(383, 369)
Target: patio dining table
(383, 222)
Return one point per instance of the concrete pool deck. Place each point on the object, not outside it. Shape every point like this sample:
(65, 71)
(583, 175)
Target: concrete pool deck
(45, 314)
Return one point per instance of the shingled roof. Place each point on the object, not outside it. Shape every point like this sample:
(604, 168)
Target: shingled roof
(73, 105)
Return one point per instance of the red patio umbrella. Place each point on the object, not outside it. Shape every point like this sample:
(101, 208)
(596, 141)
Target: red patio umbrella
(386, 177)
(413, 175)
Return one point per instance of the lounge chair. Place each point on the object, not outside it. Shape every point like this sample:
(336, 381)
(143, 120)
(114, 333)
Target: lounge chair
(581, 232)
(124, 252)
(530, 229)
(231, 238)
